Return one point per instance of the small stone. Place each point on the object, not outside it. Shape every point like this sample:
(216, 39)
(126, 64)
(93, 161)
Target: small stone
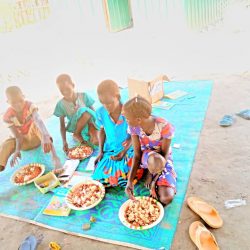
(86, 226)
(92, 219)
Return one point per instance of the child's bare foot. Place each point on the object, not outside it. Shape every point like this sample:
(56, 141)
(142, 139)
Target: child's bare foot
(148, 180)
(2, 168)
(78, 137)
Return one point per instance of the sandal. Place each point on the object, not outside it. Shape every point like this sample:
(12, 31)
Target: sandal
(207, 212)
(244, 114)
(202, 237)
(31, 242)
(226, 121)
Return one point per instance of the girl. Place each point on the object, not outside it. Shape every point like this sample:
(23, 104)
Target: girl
(151, 138)
(115, 152)
(78, 109)
(27, 127)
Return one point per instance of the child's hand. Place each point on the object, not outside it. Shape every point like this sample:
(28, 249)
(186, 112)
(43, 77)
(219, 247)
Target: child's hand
(46, 143)
(14, 159)
(125, 143)
(153, 191)
(65, 147)
(57, 163)
(129, 190)
(118, 157)
(99, 157)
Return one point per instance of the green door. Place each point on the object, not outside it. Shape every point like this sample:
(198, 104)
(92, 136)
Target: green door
(118, 14)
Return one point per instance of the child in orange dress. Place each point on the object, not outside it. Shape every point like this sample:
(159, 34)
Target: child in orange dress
(27, 127)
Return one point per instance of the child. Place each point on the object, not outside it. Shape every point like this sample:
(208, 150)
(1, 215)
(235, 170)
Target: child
(27, 127)
(77, 108)
(115, 153)
(151, 138)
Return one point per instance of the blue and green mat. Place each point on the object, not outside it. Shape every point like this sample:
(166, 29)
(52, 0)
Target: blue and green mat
(27, 203)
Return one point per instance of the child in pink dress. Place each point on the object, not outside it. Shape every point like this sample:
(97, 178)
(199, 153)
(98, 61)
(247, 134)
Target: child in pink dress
(151, 138)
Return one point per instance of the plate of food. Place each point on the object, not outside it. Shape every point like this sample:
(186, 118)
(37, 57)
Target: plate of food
(143, 213)
(27, 174)
(80, 152)
(85, 195)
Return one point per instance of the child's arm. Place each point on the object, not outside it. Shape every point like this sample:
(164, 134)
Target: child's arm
(19, 141)
(101, 137)
(63, 134)
(126, 144)
(46, 139)
(135, 164)
(165, 147)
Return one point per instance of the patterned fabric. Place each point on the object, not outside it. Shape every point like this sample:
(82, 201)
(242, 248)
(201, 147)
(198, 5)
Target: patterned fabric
(108, 171)
(23, 125)
(73, 112)
(152, 144)
(168, 175)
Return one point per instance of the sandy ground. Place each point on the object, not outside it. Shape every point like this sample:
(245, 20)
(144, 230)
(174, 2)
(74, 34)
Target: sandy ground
(221, 166)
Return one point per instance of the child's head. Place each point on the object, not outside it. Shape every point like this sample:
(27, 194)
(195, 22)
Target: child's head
(156, 163)
(109, 95)
(136, 110)
(65, 85)
(15, 98)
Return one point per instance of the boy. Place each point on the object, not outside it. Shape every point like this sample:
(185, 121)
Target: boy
(27, 128)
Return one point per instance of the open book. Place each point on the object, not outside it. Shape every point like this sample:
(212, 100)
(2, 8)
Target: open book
(69, 169)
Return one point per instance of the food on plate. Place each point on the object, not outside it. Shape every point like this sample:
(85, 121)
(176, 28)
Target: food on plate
(85, 195)
(142, 212)
(80, 152)
(27, 173)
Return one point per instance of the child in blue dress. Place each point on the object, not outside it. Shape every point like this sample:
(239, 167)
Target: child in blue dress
(115, 152)
(78, 109)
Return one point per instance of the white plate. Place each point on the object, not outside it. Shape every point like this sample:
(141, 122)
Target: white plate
(72, 206)
(80, 158)
(12, 179)
(127, 224)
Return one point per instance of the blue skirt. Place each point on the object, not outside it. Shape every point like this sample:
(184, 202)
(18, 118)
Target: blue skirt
(113, 173)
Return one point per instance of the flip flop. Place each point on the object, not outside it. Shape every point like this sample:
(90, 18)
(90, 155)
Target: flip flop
(207, 212)
(30, 243)
(202, 237)
(244, 114)
(226, 121)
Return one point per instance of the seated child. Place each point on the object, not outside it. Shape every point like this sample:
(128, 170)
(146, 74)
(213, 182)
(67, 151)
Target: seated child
(27, 127)
(151, 138)
(115, 152)
(77, 108)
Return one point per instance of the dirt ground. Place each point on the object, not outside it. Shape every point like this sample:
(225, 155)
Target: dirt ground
(220, 172)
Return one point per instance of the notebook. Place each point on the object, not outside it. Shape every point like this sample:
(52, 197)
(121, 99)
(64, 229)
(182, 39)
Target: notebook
(69, 169)
(57, 207)
(163, 105)
(176, 94)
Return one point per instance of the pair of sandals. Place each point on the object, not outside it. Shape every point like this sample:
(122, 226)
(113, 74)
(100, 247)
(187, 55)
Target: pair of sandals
(31, 242)
(198, 233)
(228, 120)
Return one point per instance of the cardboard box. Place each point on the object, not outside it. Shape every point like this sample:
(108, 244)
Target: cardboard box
(152, 91)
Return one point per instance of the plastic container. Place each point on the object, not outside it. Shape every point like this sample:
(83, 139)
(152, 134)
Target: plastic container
(47, 182)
